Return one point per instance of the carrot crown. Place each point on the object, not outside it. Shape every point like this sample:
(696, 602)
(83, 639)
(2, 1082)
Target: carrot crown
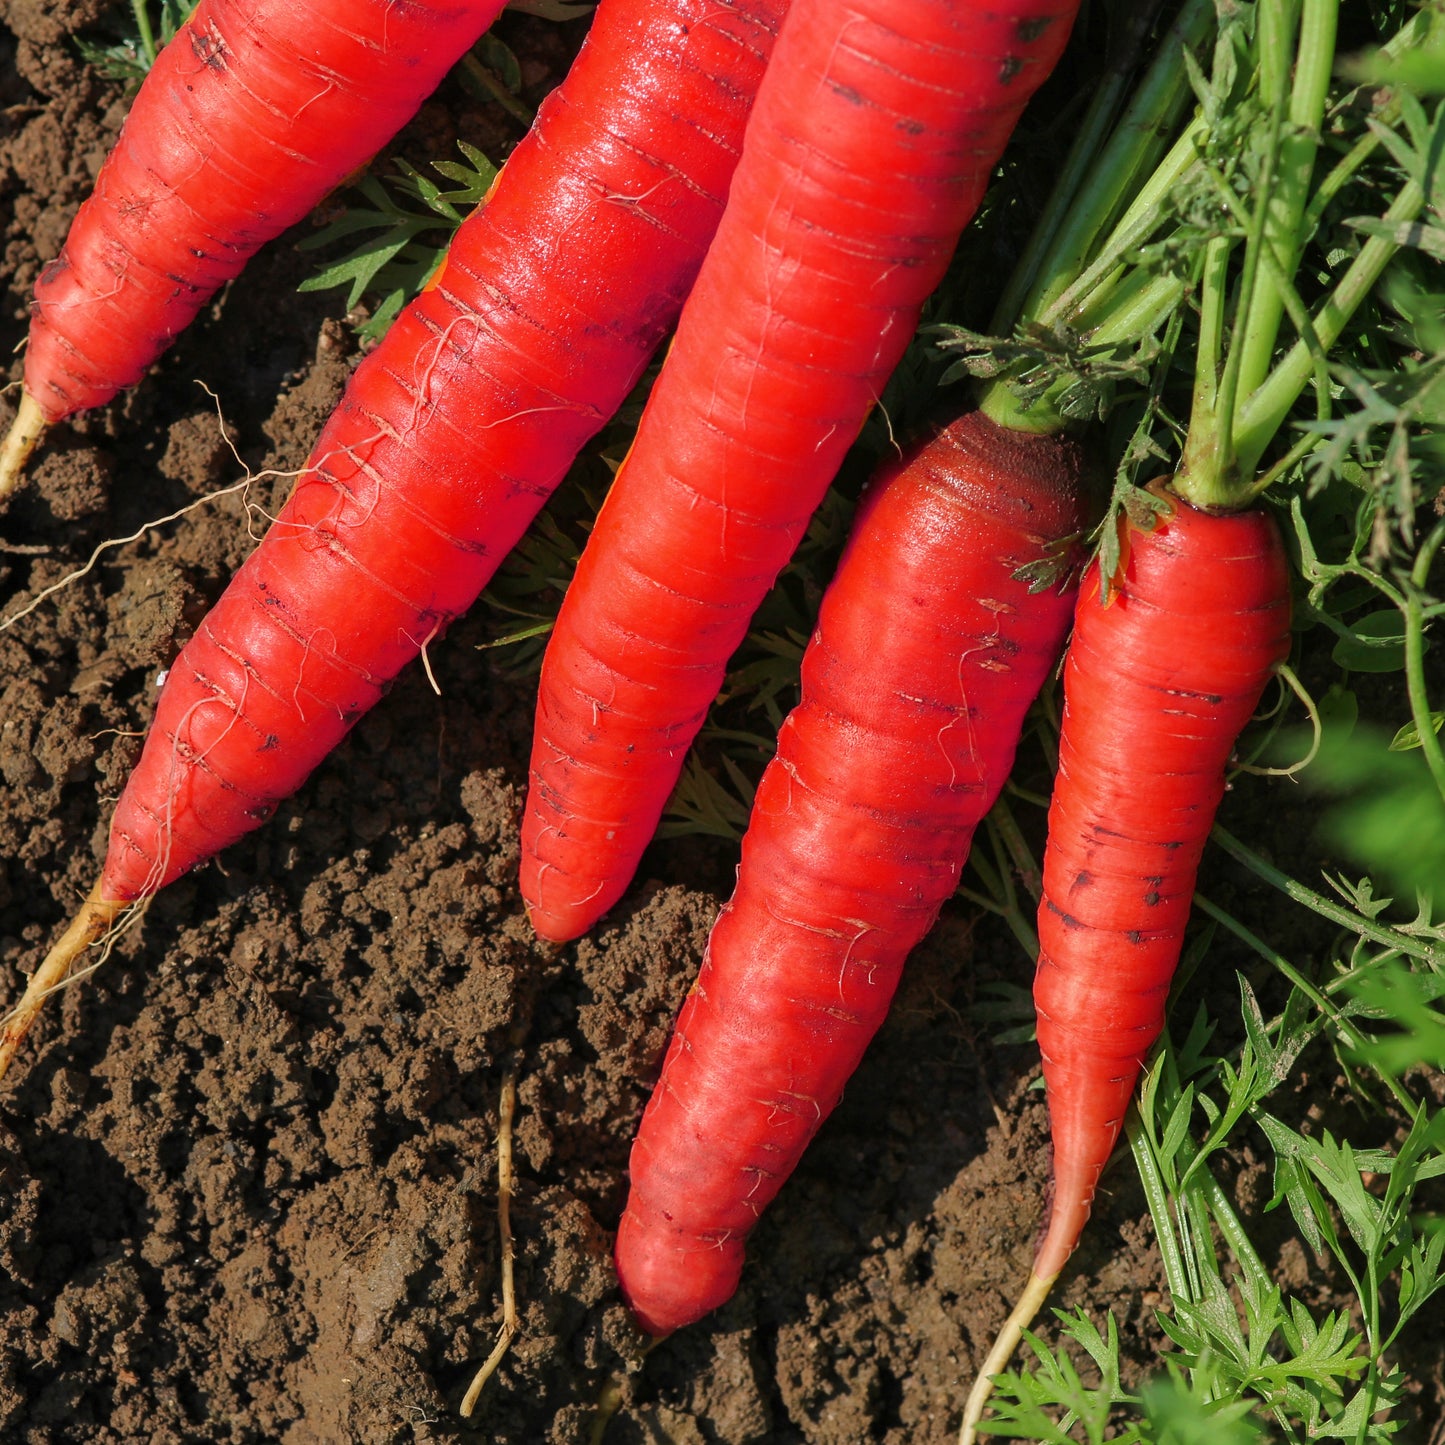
(1220, 217)
(1268, 100)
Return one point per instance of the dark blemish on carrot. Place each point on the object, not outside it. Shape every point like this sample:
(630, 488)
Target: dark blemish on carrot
(1213, 699)
(209, 51)
(272, 741)
(909, 126)
(1009, 69)
(846, 92)
(1084, 880)
(1030, 30)
(1152, 897)
(1069, 921)
(1134, 937)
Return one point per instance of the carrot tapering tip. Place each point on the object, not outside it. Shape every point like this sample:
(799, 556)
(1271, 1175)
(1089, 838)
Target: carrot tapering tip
(95, 920)
(25, 431)
(559, 926)
(1029, 1304)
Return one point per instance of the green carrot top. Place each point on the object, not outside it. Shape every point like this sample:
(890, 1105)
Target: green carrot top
(1222, 218)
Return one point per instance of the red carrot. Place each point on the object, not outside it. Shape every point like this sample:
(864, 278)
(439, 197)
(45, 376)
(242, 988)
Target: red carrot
(877, 127)
(1159, 682)
(929, 649)
(246, 120)
(1158, 685)
(450, 437)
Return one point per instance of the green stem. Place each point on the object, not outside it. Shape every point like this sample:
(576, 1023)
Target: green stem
(1217, 488)
(1157, 1198)
(1132, 230)
(1001, 405)
(1263, 260)
(1247, 936)
(1002, 900)
(1128, 314)
(486, 86)
(1206, 458)
(1085, 199)
(1134, 146)
(141, 10)
(1131, 309)
(1350, 1035)
(1016, 845)
(1288, 676)
(1263, 413)
(1034, 800)
(1285, 231)
(1239, 1242)
(1415, 657)
(1345, 170)
(1208, 475)
(1346, 918)
(1301, 449)
(1062, 207)
(1256, 322)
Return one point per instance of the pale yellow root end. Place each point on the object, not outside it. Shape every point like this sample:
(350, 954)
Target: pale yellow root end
(96, 918)
(1030, 1302)
(25, 431)
(511, 1321)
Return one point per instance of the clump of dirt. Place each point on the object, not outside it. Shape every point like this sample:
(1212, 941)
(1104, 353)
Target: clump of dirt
(248, 1168)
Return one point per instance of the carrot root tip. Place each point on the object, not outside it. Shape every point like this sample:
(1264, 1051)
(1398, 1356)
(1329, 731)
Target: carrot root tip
(25, 432)
(99, 919)
(1021, 1317)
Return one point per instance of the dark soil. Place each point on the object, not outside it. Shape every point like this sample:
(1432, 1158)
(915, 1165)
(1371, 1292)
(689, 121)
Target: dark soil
(248, 1169)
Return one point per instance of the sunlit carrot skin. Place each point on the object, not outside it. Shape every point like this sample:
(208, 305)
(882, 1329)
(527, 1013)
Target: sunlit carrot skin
(452, 434)
(876, 130)
(1157, 688)
(928, 651)
(248, 118)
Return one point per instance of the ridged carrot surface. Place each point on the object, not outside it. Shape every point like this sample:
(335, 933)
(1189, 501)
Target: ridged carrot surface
(251, 114)
(1157, 688)
(928, 651)
(455, 430)
(876, 130)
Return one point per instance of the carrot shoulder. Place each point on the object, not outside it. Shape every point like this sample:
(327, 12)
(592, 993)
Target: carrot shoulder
(876, 129)
(455, 430)
(928, 651)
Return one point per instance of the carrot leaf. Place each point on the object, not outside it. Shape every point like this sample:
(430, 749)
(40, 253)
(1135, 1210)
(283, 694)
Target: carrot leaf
(130, 57)
(703, 803)
(400, 235)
